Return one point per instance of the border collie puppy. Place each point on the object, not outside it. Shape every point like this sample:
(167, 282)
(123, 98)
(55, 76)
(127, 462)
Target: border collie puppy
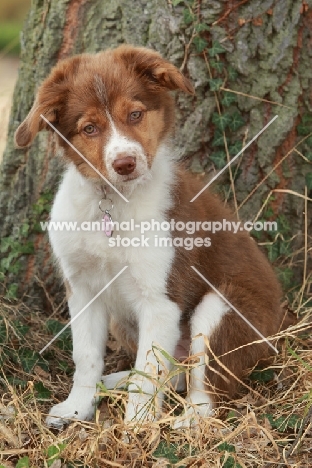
(115, 109)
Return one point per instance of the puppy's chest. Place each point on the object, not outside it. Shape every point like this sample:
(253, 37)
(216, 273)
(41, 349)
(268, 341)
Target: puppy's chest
(87, 244)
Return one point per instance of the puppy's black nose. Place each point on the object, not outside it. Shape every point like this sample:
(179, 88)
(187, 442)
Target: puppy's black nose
(124, 166)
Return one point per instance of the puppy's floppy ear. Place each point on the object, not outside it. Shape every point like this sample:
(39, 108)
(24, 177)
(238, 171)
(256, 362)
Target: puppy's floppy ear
(50, 99)
(158, 71)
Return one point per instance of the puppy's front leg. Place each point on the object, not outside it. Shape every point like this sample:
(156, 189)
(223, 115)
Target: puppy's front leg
(89, 331)
(159, 326)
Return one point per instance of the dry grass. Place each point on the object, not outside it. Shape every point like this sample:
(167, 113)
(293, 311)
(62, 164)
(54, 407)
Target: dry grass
(267, 426)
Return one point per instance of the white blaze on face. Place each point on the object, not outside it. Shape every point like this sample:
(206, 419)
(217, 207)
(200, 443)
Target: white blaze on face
(119, 145)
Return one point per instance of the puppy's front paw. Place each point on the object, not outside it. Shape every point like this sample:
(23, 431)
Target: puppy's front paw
(62, 414)
(191, 416)
(141, 406)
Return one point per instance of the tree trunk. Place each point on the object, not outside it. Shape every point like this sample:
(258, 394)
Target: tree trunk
(260, 49)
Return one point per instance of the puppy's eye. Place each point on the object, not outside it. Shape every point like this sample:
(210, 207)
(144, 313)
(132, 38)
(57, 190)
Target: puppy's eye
(90, 129)
(135, 116)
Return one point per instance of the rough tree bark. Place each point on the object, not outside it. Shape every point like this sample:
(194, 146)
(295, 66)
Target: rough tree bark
(268, 50)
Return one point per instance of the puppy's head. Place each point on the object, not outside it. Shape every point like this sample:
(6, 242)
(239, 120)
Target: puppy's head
(114, 107)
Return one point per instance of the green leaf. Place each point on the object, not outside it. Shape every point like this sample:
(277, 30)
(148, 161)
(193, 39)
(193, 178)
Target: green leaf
(54, 451)
(308, 180)
(230, 463)
(221, 121)
(27, 248)
(215, 84)
(228, 99)
(177, 2)
(232, 73)
(307, 118)
(12, 291)
(16, 382)
(236, 122)
(285, 248)
(273, 251)
(225, 447)
(20, 328)
(234, 149)
(167, 450)
(42, 392)
(23, 463)
(217, 65)
(265, 375)
(283, 422)
(167, 356)
(54, 326)
(25, 227)
(65, 367)
(200, 27)
(285, 276)
(283, 224)
(218, 158)
(216, 48)
(200, 43)
(28, 358)
(218, 139)
(303, 129)
(6, 244)
(188, 16)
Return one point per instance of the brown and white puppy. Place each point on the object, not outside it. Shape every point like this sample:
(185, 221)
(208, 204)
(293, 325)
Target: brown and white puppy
(115, 108)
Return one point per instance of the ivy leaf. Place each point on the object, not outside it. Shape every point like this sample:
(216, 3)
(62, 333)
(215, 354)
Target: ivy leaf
(216, 48)
(168, 451)
(262, 375)
(232, 73)
(200, 27)
(307, 119)
(228, 99)
(218, 139)
(27, 248)
(12, 291)
(29, 358)
(23, 463)
(283, 422)
(282, 222)
(20, 328)
(218, 158)
(221, 121)
(200, 43)
(42, 392)
(217, 65)
(236, 122)
(285, 248)
(215, 84)
(234, 149)
(308, 180)
(54, 451)
(285, 276)
(225, 447)
(273, 251)
(188, 16)
(303, 129)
